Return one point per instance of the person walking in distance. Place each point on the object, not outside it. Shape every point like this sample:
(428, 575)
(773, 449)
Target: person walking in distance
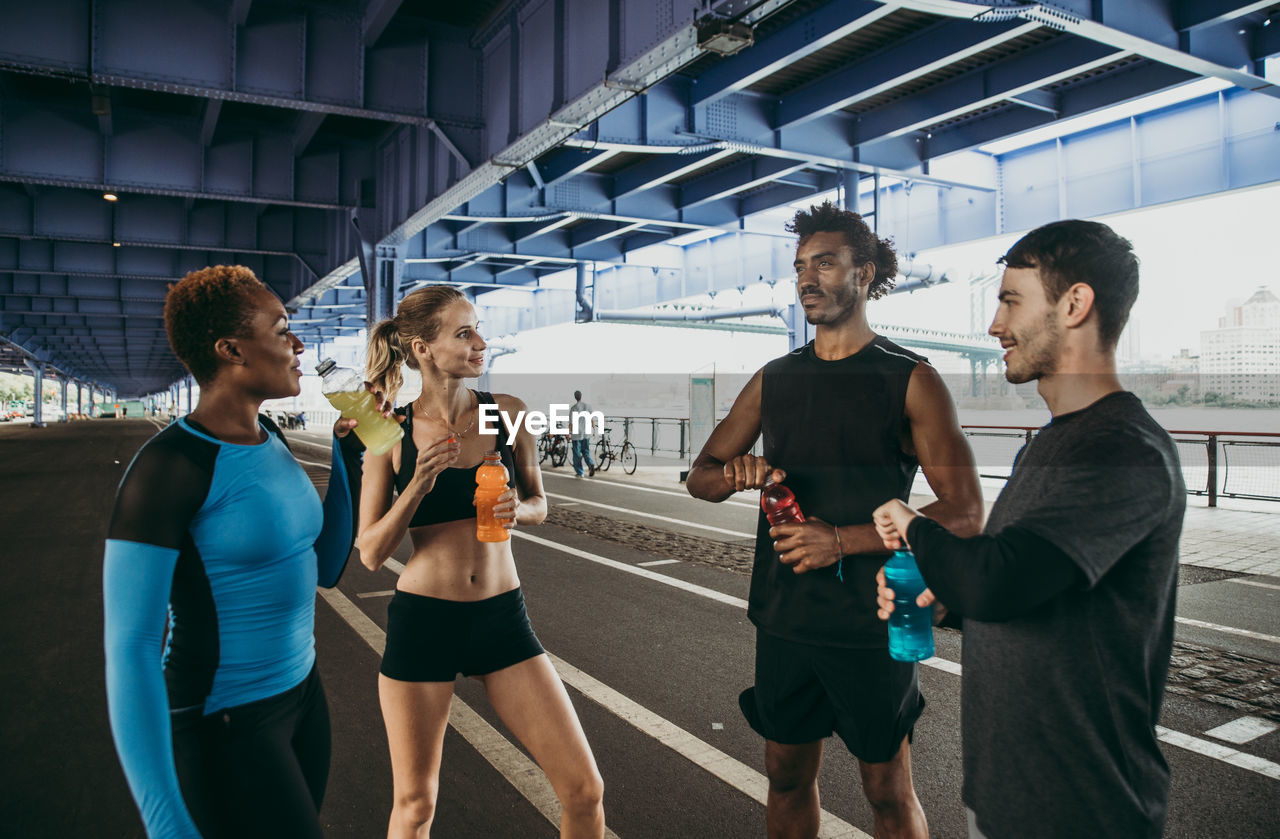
(1068, 596)
(458, 606)
(846, 419)
(580, 436)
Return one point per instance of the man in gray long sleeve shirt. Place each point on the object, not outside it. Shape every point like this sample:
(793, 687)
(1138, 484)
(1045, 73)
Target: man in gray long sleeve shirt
(1068, 596)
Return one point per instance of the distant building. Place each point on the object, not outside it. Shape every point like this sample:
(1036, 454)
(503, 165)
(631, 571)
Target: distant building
(1240, 360)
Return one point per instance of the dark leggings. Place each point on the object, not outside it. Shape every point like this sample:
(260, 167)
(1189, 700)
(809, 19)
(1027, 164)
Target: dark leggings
(257, 769)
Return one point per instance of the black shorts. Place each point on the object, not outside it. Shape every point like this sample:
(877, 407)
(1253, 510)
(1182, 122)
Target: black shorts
(257, 769)
(433, 640)
(805, 693)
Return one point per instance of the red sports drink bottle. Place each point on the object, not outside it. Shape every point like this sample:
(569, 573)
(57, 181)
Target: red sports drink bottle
(779, 504)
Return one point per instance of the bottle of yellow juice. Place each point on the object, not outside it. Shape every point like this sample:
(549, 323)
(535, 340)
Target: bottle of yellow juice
(345, 391)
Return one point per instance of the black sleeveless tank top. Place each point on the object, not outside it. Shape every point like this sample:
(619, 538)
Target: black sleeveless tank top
(836, 428)
(451, 499)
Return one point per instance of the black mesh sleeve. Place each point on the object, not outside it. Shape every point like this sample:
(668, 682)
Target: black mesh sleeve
(163, 489)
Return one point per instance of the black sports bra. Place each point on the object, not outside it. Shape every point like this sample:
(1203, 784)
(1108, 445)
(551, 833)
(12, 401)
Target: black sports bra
(451, 499)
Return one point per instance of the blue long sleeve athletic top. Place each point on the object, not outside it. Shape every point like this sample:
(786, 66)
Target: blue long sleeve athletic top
(227, 542)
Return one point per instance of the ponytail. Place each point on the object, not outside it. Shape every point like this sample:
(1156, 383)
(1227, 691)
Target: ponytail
(385, 355)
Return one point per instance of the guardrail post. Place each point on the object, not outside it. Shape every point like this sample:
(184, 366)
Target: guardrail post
(682, 438)
(1213, 470)
(653, 435)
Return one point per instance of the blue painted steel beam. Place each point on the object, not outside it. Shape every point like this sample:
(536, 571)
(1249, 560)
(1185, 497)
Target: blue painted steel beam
(564, 163)
(1039, 67)
(799, 39)
(62, 146)
(1193, 14)
(1139, 81)
(734, 179)
(303, 57)
(661, 169)
(914, 58)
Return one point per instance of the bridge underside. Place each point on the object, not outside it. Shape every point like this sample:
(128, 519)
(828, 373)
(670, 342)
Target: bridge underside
(497, 143)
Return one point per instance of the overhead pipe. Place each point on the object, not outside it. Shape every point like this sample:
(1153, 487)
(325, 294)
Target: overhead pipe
(685, 317)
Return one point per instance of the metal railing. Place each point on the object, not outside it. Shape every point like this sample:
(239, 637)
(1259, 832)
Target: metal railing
(1216, 464)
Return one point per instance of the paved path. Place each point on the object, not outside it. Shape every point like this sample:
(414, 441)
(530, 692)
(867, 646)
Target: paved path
(653, 654)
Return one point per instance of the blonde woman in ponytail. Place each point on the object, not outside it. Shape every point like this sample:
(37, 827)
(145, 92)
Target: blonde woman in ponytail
(458, 606)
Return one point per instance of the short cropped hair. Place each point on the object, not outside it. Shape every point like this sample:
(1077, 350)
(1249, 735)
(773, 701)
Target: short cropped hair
(1089, 252)
(867, 247)
(205, 306)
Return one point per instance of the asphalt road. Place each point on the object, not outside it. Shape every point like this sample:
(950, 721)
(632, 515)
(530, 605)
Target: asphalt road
(654, 657)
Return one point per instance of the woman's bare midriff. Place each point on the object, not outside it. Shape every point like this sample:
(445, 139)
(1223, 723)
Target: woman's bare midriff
(449, 563)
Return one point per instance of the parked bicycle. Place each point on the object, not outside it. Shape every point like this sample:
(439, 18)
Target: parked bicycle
(554, 447)
(607, 453)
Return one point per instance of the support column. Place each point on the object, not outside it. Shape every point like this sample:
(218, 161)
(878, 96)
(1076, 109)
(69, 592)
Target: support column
(585, 311)
(65, 382)
(80, 398)
(381, 287)
(189, 382)
(37, 373)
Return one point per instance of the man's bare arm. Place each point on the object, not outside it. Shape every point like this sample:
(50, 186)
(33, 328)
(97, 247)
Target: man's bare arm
(944, 454)
(725, 465)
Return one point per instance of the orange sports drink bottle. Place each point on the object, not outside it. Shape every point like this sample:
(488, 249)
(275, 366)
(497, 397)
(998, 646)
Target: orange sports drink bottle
(346, 392)
(491, 482)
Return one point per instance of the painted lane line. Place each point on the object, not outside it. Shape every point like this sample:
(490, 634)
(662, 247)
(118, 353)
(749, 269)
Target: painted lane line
(737, 533)
(519, 771)
(709, 593)
(1230, 630)
(1220, 752)
(312, 463)
(702, 754)
(1243, 730)
(1257, 583)
(942, 664)
(1175, 738)
(386, 593)
(640, 488)
(658, 562)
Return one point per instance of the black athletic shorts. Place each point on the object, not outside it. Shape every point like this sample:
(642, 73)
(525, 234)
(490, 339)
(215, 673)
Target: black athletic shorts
(433, 640)
(258, 769)
(805, 693)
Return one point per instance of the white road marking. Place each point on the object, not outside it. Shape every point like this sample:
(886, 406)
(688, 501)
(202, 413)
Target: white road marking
(312, 463)
(658, 562)
(1243, 730)
(738, 533)
(709, 593)
(942, 664)
(641, 488)
(386, 593)
(1174, 738)
(1231, 630)
(1217, 751)
(1258, 583)
(521, 772)
(702, 754)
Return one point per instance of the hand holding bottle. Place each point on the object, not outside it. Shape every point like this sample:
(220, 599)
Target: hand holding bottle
(747, 471)
(892, 519)
(432, 460)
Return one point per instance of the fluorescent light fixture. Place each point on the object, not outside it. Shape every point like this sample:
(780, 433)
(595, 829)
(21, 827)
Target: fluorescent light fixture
(110, 196)
(1115, 113)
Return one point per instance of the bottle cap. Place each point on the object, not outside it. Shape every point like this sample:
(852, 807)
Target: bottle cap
(493, 455)
(325, 366)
